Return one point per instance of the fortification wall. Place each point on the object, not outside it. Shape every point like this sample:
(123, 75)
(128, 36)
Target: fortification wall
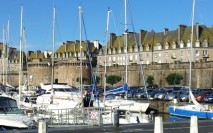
(202, 74)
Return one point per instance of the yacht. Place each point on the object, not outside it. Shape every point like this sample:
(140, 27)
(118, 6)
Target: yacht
(11, 116)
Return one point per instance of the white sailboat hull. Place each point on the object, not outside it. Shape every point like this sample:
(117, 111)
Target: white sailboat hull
(127, 105)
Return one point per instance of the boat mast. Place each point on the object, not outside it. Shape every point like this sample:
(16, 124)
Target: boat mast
(190, 58)
(80, 28)
(20, 55)
(3, 54)
(53, 46)
(7, 48)
(125, 34)
(106, 36)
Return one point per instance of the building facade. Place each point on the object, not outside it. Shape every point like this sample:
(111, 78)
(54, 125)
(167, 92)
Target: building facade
(161, 47)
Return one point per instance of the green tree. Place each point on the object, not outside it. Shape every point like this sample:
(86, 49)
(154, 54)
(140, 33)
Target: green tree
(174, 79)
(84, 79)
(113, 79)
(150, 80)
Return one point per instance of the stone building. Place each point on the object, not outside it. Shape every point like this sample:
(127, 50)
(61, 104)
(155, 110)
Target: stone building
(161, 49)
(66, 63)
(37, 65)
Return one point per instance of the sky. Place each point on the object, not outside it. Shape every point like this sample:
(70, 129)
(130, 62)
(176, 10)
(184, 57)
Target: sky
(141, 14)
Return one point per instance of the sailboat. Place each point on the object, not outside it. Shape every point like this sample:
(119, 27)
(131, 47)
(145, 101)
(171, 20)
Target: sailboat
(196, 109)
(117, 102)
(57, 95)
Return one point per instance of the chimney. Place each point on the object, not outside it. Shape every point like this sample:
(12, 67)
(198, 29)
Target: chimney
(65, 46)
(112, 39)
(197, 31)
(141, 36)
(181, 30)
(165, 31)
(96, 44)
(38, 52)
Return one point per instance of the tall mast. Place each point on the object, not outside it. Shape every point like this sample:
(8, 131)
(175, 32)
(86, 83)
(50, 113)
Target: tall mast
(20, 55)
(80, 27)
(7, 48)
(190, 58)
(125, 34)
(106, 36)
(3, 52)
(53, 46)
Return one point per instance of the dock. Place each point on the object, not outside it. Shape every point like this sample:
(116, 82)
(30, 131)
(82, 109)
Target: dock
(204, 126)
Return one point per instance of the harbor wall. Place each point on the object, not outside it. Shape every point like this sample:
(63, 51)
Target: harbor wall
(202, 74)
(68, 72)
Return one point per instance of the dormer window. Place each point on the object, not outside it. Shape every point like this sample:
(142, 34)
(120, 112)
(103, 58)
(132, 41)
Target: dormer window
(130, 50)
(205, 43)
(173, 45)
(113, 51)
(136, 48)
(188, 43)
(141, 48)
(147, 47)
(197, 44)
(125, 50)
(181, 44)
(166, 46)
(109, 51)
(157, 46)
(119, 50)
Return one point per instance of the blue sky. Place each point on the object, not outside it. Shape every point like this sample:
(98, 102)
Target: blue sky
(147, 14)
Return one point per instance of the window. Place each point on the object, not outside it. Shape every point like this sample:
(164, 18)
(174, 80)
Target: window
(109, 58)
(136, 57)
(125, 50)
(114, 59)
(166, 46)
(174, 45)
(113, 51)
(197, 52)
(173, 55)
(119, 50)
(156, 55)
(166, 54)
(123, 57)
(136, 49)
(141, 48)
(147, 48)
(197, 44)
(181, 44)
(130, 50)
(130, 58)
(188, 43)
(205, 52)
(205, 43)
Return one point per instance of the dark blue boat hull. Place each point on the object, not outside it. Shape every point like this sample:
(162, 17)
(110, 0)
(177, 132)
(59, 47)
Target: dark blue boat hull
(188, 113)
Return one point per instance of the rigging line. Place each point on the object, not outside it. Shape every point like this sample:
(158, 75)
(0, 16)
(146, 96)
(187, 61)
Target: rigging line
(88, 52)
(116, 31)
(140, 55)
(58, 26)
